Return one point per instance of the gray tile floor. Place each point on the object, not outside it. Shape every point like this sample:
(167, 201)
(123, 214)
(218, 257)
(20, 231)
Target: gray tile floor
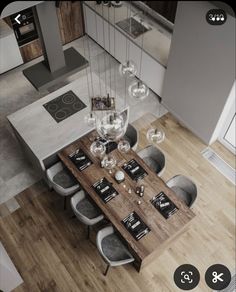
(16, 92)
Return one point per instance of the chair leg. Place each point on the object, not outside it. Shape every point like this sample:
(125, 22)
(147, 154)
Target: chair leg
(107, 268)
(64, 203)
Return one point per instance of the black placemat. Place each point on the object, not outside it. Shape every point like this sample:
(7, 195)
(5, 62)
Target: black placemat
(164, 205)
(80, 159)
(105, 190)
(136, 227)
(134, 170)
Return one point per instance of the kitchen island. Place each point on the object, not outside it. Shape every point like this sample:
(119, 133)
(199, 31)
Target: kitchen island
(41, 136)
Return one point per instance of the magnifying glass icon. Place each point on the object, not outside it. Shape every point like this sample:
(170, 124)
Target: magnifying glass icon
(186, 277)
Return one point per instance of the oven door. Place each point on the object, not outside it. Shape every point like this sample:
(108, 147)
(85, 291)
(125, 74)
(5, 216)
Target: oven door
(25, 32)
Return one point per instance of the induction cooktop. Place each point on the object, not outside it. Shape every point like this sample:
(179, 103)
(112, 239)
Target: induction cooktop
(64, 106)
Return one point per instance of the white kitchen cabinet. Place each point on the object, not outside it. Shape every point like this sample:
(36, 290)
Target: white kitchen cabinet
(134, 55)
(122, 48)
(90, 22)
(152, 73)
(120, 43)
(103, 32)
(10, 56)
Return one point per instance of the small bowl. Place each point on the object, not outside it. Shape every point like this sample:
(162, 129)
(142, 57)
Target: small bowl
(119, 176)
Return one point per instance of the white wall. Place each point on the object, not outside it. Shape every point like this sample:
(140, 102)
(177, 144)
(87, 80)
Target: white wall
(201, 68)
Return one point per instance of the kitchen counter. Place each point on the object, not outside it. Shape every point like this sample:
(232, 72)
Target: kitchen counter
(156, 42)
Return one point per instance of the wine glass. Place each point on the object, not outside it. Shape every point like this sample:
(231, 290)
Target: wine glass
(98, 149)
(109, 162)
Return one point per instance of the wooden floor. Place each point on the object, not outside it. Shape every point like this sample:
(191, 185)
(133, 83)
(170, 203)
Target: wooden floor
(51, 253)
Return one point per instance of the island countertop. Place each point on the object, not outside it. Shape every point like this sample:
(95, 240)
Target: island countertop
(42, 134)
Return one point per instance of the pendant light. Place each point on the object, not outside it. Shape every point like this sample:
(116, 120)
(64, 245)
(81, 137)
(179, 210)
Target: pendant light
(138, 89)
(128, 68)
(90, 119)
(155, 135)
(111, 126)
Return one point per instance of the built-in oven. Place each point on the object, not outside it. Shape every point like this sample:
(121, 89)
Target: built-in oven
(24, 26)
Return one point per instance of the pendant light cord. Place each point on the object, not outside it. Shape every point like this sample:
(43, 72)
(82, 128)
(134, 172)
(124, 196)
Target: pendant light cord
(91, 77)
(104, 49)
(99, 71)
(126, 57)
(86, 69)
(114, 50)
(109, 46)
(141, 55)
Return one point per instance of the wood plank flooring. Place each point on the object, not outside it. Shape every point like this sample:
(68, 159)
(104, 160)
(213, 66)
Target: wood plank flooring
(51, 253)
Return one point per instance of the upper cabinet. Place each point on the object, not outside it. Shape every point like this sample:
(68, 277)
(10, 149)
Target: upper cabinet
(70, 20)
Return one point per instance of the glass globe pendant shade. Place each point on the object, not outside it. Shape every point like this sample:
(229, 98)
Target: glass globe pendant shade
(111, 126)
(90, 119)
(155, 135)
(98, 149)
(123, 146)
(138, 90)
(109, 162)
(128, 69)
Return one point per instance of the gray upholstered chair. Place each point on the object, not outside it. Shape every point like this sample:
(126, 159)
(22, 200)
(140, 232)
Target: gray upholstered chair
(112, 249)
(154, 158)
(132, 136)
(85, 210)
(184, 188)
(60, 179)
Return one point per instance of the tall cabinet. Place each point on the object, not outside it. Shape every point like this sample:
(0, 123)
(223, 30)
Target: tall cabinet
(201, 69)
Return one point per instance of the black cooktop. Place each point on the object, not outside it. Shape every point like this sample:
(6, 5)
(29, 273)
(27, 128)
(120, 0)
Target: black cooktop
(64, 106)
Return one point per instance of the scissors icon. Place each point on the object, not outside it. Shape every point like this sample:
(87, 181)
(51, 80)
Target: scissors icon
(217, 277)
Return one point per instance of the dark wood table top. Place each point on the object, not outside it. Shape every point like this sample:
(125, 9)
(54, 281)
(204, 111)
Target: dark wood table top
(162, 230)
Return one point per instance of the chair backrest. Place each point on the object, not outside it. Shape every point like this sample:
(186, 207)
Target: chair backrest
(185, 184)
(131, 135)
(154, 153)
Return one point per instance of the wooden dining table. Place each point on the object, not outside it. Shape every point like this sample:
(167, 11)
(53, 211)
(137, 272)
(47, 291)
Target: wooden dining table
(162, 231)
